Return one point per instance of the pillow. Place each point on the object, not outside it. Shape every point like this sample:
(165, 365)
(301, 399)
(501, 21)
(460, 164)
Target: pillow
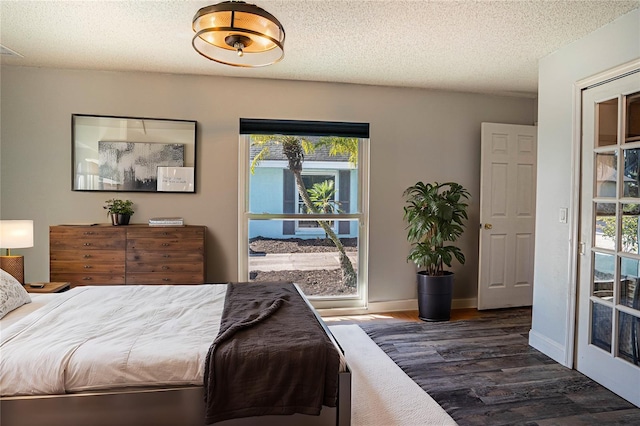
(12, 294)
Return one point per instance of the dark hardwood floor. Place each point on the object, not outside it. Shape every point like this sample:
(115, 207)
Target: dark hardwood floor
(480, 368)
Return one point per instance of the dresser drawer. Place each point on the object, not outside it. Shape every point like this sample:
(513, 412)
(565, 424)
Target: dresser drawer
(164, 278)
(164, 244)
(87, 243)
(87, 268)
(88, 257)
(164, 267)
(181, 232)
(98, 232)
(78, 279)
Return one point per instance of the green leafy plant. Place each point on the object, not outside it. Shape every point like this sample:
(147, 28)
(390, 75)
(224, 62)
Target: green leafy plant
(116, 206)
(322, 195)
(436, 214)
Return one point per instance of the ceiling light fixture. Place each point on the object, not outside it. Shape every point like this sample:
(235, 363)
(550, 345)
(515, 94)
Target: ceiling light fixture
(238, 34)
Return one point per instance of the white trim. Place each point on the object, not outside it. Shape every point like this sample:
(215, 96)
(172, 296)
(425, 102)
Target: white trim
(568, 351)
(552, 349)
(243, 209)
(308, 164)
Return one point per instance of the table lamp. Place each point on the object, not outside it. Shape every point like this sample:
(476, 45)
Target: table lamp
(15, 234)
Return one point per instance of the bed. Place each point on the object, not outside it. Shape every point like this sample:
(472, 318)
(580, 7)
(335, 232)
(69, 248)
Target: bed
(131, 355)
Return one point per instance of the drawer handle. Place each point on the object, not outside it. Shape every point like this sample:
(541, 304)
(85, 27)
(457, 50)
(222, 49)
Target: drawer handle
(87, 244)
(87, 278)
(165, 244)
(87, 266)
(165, 267)
(86, 256)
(88, 233)
(165, 233)
(166, 255)
(166, 279)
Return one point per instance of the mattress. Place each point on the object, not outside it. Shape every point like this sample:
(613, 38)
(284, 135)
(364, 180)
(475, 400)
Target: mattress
(109, 337)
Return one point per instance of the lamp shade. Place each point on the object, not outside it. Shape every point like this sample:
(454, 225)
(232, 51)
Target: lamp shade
(238, 34)
(16, 234)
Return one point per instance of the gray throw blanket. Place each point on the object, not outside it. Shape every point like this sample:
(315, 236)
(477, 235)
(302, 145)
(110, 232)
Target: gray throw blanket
(271, 356)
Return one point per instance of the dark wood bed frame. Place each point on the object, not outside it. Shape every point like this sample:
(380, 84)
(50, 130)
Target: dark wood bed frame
(182, 406)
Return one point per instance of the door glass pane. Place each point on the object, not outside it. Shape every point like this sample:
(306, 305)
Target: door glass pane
(629, 278)
(605, 226)
(629, 237)
(601, 326)
(606, 174)
(629, 338)
(607, 113)
(632, 133)
(312, 263)
(603, 275)
(631, 172)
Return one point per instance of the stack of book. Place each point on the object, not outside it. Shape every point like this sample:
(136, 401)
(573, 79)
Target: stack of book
(166, 221)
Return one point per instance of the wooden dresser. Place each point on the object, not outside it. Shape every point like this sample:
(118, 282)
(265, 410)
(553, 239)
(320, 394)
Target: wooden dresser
(133, 254)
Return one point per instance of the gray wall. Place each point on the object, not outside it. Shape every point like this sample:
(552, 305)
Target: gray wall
(415, 135)
(609, 46)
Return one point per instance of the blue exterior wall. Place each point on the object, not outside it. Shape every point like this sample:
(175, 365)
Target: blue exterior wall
(266, 196)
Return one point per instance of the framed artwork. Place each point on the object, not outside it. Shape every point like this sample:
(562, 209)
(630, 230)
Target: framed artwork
(125, 153)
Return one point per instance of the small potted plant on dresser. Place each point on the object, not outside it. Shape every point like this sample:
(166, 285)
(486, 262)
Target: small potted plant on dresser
(435, 213)
(120, 211)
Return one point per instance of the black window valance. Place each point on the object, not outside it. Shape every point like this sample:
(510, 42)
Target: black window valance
(256, 126)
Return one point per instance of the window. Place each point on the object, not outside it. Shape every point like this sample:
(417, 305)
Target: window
(303, 207)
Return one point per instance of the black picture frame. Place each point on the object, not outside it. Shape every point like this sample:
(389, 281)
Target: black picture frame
(123, 154)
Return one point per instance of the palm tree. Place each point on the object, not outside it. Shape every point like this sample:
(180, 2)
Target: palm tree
(294, 149)
(322, 195)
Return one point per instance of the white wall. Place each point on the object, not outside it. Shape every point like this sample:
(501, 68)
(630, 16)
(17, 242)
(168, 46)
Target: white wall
(609, 46)
(415, 135)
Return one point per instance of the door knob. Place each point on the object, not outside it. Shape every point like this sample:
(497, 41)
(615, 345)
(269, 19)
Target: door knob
(488, 226)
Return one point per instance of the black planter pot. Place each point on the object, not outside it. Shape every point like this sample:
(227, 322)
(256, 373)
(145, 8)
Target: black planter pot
(120, 219)
(434, 296)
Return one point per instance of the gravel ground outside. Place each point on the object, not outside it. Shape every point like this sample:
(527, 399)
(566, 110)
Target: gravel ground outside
(323, 282)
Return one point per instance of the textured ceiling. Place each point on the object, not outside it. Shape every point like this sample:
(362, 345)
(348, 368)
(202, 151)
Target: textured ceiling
(477, 46)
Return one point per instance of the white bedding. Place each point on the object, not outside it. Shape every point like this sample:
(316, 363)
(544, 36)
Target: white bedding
(93, 338)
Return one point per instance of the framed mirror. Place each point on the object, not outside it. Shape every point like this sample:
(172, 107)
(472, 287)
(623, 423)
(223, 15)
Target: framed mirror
(132, 154)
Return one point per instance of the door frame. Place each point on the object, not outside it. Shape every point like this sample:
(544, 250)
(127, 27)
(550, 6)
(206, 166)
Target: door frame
(574, 203)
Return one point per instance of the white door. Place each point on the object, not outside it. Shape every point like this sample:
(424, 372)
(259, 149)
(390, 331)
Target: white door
(507, 215)
(609, 269)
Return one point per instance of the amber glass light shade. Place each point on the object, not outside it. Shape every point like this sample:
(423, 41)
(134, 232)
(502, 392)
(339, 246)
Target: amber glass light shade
(238, 34)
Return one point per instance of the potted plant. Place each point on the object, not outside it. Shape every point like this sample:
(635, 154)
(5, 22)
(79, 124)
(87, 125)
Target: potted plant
(120, 211)
(435, 214)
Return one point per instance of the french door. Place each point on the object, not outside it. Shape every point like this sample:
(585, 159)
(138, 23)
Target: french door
(609, 287)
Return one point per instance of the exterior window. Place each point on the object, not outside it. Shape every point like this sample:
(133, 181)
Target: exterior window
(321, 188)
(303, 214)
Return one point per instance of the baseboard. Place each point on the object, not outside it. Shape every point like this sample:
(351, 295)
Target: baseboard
(464, 303)
(393, 306)
(550, 348)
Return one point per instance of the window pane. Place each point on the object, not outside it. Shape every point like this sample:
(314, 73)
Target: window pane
(606, 226)
(629, 237)
(603, 274)
(629, 277)
(601, 326)
(325, 168)
(606, 174)
(607, 113)
(632, 132)
(631, 171)
(314, 263)
(629, 338)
